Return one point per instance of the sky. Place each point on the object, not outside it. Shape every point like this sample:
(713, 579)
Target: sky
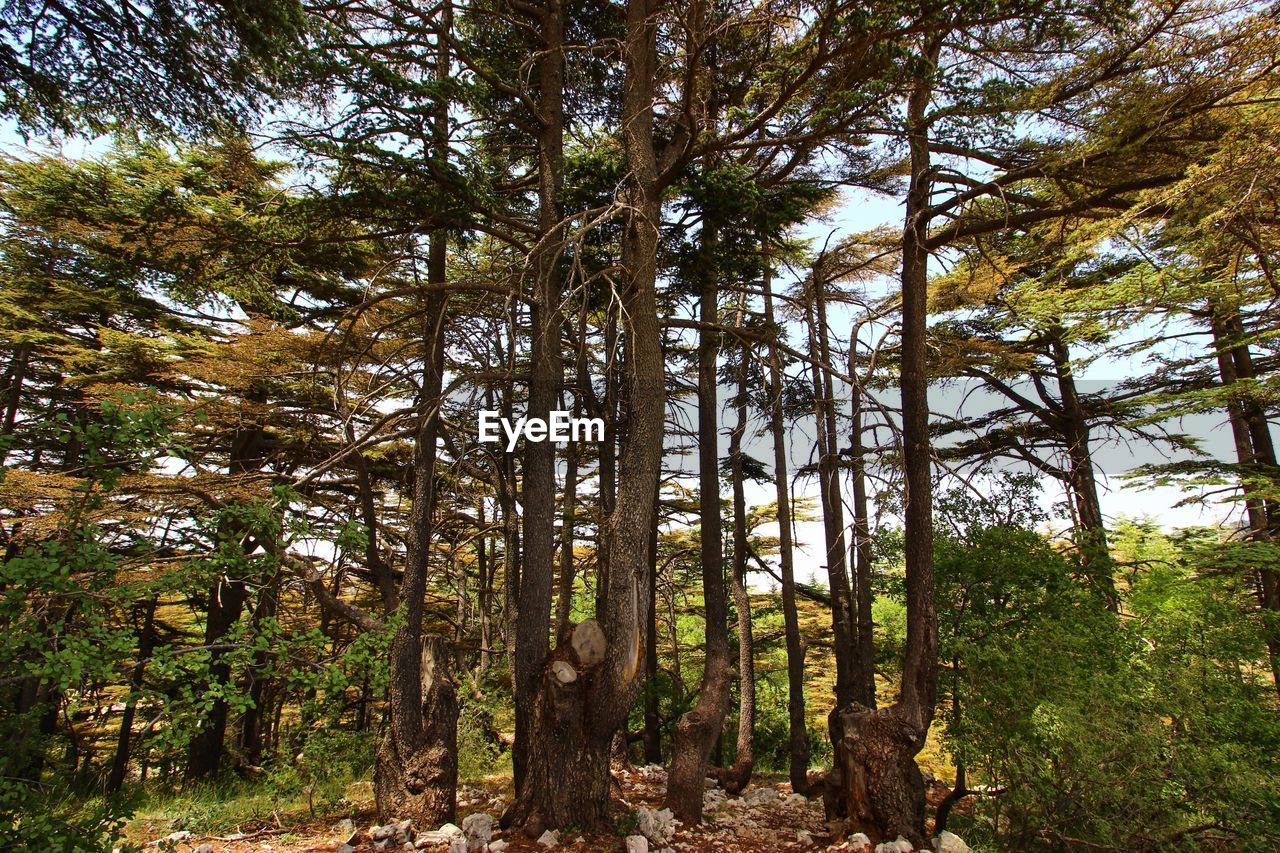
(862, 211)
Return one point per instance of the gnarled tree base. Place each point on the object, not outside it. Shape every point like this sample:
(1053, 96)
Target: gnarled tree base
(417, 777)
(882, 791)
(566, 780)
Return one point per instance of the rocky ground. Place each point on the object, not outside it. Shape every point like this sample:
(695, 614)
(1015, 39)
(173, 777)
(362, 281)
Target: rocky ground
(767, 817)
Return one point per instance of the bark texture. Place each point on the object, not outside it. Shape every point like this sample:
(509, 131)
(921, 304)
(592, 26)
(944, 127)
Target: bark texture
(573, 723)
(417, 777)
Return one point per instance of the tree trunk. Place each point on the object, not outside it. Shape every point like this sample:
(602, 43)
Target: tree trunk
(253, 725)
(652, 716)
(1091, 531)
(737, 777)
(204, 753)
(883, 790)
(860, 556)
(146, 641)
(418, 777)
(537, 574)
(698, 728)
(568, 517)
(576, 716)
(832, 509)
(1261, 521)
(415, 774)
(798, 732)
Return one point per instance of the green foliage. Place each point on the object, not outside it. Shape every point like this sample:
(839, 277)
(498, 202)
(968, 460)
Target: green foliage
(1145, 732)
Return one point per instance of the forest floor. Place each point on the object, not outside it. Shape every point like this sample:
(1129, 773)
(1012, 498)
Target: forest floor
(767, 817)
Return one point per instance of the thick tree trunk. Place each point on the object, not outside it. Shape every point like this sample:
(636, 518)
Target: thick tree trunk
(652, 716)
(417, 777)
(254, 723)
(798, 734)
(576, 716)
(883, 790)
(697, 730)
(537, 574)
(204, 753)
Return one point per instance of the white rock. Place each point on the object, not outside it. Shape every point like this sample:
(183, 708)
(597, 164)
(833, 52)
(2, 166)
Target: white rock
(496, 846)
(637, 844)
(760, 796)
(859, 841)
(446, 834)
(203, 848)
(549, 839)
(804, 837)
(657, 826)
(898, 845)
(797, 800)
(478, 828)
(173, 838)
(948, 842)
(344, 847)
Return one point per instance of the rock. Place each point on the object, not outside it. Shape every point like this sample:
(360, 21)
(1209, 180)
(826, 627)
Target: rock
(588, 642)
(478, 829)
(346, 829)
(344, 847)
(637, 844)
(174, 838)
(760, 796)
(796, 801)
(447, 834)
(393, 834)
(899, 845)
(859, 842)
(497, 846)
(657, 826)
(203, 848)
(549, 839)
(805, 837)
(948, 842)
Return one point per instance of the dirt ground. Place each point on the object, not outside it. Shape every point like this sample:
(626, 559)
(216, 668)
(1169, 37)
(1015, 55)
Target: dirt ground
(757, 821)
